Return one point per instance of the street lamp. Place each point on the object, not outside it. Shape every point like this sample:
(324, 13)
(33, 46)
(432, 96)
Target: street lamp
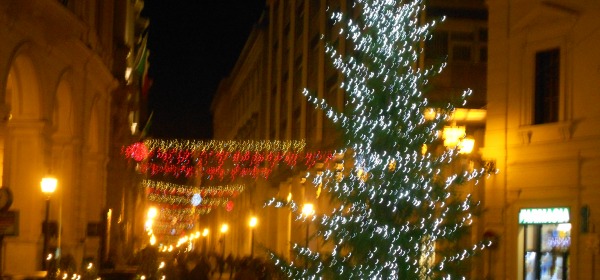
(307, 210)
(253, 222)
(48, 185)
(204, 240)
(224, 229)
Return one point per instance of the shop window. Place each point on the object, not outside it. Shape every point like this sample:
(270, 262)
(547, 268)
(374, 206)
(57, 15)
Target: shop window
(546, 239)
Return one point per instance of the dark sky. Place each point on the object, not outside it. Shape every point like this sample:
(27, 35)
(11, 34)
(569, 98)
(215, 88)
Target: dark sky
(193, 45)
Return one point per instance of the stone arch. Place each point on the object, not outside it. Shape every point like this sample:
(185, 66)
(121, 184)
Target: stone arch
(22, 92)
(20, 99)
(24, 154)
(63, 117)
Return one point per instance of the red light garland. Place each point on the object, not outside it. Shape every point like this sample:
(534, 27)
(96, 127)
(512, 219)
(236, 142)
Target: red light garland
(210, 160)
(220, 159)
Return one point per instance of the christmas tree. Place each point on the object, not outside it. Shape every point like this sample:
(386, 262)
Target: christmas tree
(397, 210)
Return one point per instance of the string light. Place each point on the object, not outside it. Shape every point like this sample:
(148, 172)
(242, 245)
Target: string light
(220, 159)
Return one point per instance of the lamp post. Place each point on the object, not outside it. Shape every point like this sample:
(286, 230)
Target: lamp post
(253, 222)
(48, 185)
(204, 240)
(224, 229)
(307, 211)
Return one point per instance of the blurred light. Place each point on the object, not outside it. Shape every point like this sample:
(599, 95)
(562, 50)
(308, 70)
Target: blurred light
(253, 221)
(48, 185)
(127, 73)
(224, 228)
(152, 213)
(465, 146)
(452, 135)
(564, 227)
(308, 209)
(133, 128)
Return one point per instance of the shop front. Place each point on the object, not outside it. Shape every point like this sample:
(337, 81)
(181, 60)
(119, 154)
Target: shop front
(544, 241)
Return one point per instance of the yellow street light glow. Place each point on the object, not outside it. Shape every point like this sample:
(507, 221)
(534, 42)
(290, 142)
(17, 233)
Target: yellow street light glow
(224, 228)
(152, 240)
(452, 135)
(48, 185)
(308, 209)
(152, 213)
(253, 222)
(205, 232)
(148, 225)
(465, 146)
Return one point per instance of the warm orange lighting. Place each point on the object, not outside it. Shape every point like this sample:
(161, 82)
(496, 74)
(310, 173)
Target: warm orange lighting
(205, 232)
(308, 209)
(224, 228)
(48, 185)
(466, 145)
(253, 222)
(452, 135)
(152, 213)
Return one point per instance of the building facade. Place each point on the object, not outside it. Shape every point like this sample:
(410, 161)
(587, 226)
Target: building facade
(543, 133)
(62, 62)
(262, 99)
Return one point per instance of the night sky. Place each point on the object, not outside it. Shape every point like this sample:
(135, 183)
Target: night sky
(193, 45)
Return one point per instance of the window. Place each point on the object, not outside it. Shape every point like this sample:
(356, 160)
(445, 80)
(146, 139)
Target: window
(468, 46)
(547, 81)
(437, 47)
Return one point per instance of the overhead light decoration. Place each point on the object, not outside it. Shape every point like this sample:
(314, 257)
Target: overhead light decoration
(220, 159)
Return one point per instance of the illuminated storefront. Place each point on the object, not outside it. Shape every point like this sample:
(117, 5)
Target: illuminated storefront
(545, 239)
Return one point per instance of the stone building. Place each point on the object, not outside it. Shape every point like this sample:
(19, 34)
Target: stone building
(62, 65)
(543, 132)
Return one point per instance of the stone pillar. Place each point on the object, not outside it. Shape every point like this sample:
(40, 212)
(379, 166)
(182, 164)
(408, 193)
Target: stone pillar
(25, 164)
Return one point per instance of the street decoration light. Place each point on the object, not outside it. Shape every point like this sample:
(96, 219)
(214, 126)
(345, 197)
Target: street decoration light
(48, 185)
(253, 223)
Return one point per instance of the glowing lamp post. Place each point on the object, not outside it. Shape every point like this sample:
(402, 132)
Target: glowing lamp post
(48, 185)
(253, 222)
(307, 210)
(224, 229)
(204, 240)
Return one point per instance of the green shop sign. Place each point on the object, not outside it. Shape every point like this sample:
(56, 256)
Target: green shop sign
(544, 216)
